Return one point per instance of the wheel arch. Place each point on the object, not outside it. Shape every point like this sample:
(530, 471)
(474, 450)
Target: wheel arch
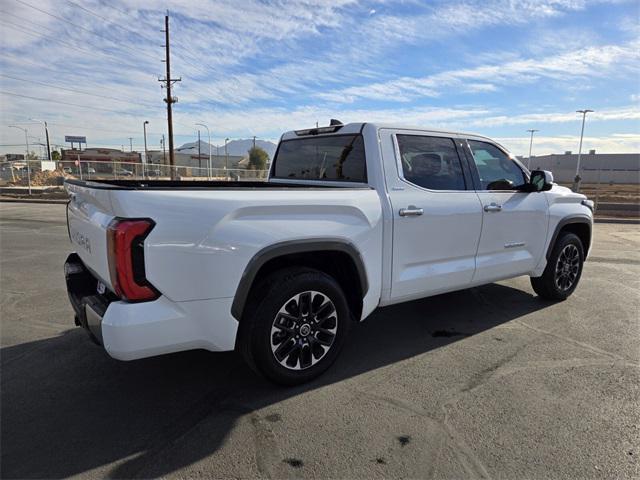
(336, 257)
(580, 225)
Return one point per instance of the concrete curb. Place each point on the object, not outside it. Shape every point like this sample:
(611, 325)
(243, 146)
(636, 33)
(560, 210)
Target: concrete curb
(627, 221)
(56, 201)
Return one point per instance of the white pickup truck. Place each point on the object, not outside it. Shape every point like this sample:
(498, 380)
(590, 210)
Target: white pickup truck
(352, 217)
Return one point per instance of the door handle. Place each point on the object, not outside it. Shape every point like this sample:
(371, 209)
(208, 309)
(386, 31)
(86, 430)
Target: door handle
(492, 208)
(411, 211)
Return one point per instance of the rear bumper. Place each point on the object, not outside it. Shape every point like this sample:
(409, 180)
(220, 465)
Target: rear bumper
(129, 331)
(89, 305)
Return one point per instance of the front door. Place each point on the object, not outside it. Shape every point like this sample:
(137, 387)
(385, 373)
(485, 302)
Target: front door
(436, 216)
(514, 226)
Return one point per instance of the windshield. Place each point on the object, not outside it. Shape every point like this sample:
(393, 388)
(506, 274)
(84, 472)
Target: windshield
(334, 158)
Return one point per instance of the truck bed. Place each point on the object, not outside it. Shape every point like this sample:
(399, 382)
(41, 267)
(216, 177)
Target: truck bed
(204, 185)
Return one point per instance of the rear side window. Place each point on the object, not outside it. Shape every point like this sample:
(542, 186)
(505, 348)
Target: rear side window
(431, 162)
(497, 171)
(334, 158)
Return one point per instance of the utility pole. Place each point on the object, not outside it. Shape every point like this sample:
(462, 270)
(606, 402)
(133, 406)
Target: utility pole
(576, 181)
(131, 144)
(532, 130)
(168, 81)
(46, 131)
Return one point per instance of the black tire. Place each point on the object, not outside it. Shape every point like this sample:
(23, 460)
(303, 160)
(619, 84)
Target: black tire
(268, 327)
(564, 268)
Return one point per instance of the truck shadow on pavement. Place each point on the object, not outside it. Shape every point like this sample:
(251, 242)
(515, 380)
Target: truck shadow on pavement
(67, 408)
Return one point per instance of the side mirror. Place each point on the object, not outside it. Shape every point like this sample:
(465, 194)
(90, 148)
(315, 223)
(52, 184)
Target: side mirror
(541, 180)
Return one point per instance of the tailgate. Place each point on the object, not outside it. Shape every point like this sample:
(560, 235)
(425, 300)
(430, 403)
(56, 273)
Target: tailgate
(89, 213)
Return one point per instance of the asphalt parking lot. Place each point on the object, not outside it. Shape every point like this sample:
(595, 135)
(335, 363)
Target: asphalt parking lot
(490, 382)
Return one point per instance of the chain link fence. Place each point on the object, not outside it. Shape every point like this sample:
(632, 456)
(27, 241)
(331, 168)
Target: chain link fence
(36, 173)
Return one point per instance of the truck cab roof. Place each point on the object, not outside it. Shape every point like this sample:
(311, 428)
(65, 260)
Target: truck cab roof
(357, 127)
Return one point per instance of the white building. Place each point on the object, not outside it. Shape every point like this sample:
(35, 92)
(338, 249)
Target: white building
(594, 167)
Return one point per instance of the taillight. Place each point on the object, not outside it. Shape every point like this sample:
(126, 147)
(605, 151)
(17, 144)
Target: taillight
(125, 244)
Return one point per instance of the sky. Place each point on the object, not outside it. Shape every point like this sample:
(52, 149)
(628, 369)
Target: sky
(251, 67)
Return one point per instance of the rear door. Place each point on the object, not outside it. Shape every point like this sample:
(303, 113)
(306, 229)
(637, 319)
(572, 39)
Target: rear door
(436, 214)
(514, 226)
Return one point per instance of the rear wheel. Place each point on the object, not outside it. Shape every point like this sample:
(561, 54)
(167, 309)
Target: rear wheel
(563, 271)
(296, 327)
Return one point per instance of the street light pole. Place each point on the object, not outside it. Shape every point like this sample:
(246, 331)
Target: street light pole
(146, 153)
(576, 181)
(26, 141)
(164, 150)
(199, 153)
(209, 135)
(46, 131)
(532, 130)
(226, 158)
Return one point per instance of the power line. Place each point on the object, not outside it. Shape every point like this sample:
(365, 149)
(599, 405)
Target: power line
(149, 105)
(24, 60)
(66, 103)
(137, 52)
(98, 129)
(110, 5)
(111, 21)
(184, 50)
(199, 68)
(39, 35)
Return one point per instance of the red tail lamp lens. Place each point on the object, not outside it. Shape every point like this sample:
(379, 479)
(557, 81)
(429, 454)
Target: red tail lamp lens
(125, 242)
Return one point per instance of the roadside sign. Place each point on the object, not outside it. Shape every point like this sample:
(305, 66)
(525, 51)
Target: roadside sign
(74, 139)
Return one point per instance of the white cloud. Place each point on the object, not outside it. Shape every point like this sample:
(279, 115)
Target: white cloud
(597, 61)
(544, 145)
(537, 119)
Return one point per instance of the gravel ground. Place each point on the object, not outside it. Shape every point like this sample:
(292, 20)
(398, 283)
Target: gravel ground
(490, 382)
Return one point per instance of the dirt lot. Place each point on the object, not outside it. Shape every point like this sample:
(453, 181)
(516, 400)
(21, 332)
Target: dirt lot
(490, 382)
(611, 193)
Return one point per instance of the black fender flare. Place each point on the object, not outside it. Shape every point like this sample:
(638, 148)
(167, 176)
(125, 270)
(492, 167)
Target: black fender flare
(287, 248)
(578, 218)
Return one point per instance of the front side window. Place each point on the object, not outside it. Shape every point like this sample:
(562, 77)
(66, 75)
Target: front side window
(333, 158)
(497, 171)
(431, 162)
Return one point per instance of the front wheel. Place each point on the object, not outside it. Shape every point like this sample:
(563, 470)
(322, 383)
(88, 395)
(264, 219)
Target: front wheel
(563, 270)
(296, 326)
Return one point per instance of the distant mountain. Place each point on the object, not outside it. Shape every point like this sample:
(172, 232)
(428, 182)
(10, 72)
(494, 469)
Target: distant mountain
(234, 147)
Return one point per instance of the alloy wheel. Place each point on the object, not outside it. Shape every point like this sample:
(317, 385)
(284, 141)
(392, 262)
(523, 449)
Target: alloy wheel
(567, 267)
(303, 330)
